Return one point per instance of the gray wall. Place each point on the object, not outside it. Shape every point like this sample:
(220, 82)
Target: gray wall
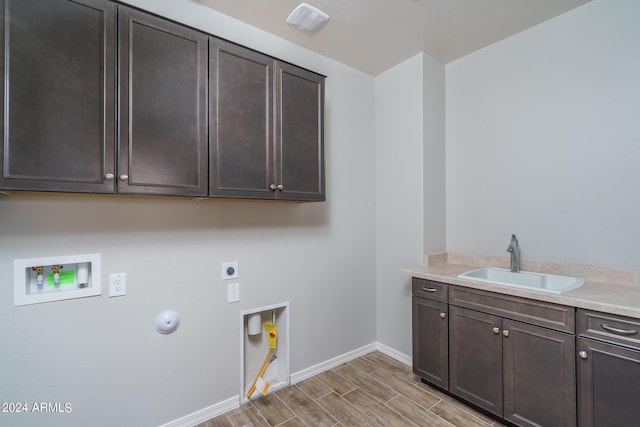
(433, 156)
(410, 202)
(543, 140)
(398, 200)
(103, 355)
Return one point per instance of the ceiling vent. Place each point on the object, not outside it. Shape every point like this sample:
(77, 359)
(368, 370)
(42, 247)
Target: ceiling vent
(307, 18)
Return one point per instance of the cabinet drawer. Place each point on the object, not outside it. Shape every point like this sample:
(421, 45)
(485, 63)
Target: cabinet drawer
(549, 315)
(429, 289)
(609, 327)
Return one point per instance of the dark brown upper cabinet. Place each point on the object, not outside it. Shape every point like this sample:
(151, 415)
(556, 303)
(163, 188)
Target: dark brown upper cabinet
(299, 141)
(100, 98)
(58, 113)
(163, 107)
(241, 122)
(266, 127)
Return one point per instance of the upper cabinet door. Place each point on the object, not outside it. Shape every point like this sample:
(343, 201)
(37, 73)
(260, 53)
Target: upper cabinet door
(59, 105)
(163, 107)
(299, 134)
(241, 122)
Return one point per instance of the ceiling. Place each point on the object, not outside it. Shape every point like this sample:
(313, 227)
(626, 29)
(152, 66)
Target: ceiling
(374, 35)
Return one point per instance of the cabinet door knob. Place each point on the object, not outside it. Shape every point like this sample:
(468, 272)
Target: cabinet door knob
(280, 187)
(505, 333)
(496, 330)
(582, 354)
(273, 187)
(108, 176)
(123, 177)
(443, 315)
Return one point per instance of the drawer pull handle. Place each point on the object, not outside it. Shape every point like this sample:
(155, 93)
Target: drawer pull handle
(618, 331)
(424, 288)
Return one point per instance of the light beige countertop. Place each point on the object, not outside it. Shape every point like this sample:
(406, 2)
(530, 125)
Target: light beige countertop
(606, 289)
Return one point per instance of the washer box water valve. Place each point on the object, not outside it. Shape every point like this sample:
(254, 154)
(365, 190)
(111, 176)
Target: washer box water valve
(38, 280)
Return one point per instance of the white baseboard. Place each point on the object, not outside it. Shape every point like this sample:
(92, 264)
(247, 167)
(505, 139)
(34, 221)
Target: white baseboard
(234, 402)
(394, 354)
(206, 413)
(331, 363)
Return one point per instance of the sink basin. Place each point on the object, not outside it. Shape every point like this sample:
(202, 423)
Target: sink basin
(524, 279)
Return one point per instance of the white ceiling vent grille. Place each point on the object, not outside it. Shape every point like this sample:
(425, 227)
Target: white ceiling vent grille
(307, 18)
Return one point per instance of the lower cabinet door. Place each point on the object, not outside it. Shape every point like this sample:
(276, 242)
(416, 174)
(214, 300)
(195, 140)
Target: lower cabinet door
(539, 375)
(431, 341)
(609, 385)
(475, 358)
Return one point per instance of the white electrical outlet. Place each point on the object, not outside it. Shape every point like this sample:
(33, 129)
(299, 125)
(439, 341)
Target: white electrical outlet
(230, 270)
(233, 292)
(117, 284)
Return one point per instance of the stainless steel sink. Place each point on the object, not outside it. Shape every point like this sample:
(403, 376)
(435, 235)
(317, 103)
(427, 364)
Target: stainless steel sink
(525, 279)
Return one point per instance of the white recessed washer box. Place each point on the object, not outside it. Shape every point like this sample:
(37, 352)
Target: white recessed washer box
(38, 280)
(253, 348)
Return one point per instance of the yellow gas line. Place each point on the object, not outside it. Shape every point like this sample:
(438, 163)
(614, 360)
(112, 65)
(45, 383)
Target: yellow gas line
(270, 328)
(267, 361)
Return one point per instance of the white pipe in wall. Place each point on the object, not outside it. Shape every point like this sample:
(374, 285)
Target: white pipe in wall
(254, 321)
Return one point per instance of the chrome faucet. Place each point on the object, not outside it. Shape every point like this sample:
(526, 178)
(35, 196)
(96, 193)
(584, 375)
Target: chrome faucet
(514, 249)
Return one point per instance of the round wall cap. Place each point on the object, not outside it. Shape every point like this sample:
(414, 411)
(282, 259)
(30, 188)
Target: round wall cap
(167, 321)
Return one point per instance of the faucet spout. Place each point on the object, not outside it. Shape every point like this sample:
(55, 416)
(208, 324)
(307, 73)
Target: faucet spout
(514, 250)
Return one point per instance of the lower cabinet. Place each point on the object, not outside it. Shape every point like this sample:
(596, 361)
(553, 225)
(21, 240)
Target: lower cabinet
(520, 372)
(609, 379)
(539, 375)
(520, 360)
(608, 370)
(506, 357)
(510, 356)
(475, 362)
(431, 332)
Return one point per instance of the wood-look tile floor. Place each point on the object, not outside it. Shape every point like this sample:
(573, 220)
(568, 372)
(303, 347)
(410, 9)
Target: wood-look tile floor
(373, 390)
